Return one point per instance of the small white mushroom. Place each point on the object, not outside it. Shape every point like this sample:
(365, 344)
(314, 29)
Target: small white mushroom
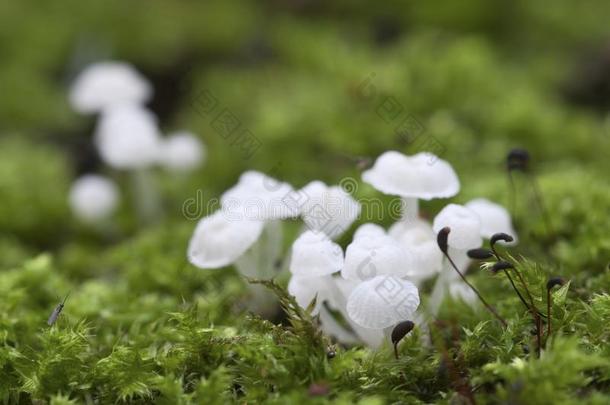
(325, 208)
(305, 289)
(382, 302)
(93, 198)
(181, 152)
(108, 84)
(371, 254)
(465, 226)
(258, 196)
(127, 137)
(218, 240)
(412, 178)
(494, 218)
(314, 254)
(418, 240)
(369, 229)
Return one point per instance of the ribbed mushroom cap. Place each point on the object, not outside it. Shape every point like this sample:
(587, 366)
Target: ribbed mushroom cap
(382, 302)
(314, 255)
(326, 208)
(371, 254)
(219, 240)
(108, 84)
(494, 218)
(465, 226)
(413, 176)
(258, 196)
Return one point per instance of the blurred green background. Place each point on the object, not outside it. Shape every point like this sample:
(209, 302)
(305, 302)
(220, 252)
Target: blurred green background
(312, 80)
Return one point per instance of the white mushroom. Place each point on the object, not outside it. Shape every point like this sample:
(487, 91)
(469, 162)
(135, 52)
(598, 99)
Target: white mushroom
(418, 240)
(258, 196)
(127, 137)
(412, 178)
(325, 208)
(305, 289)
(382, 302)
(465, 226)
(494, 218)
(218, 241)
(181, 152)
(314, 255)
(371, 254)
(93, 198)
(108, 84)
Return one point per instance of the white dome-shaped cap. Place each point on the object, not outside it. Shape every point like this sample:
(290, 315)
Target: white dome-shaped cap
(371, 255)
(369, 229)
(127, 137)
(337, 209)
(218, 241)
(382, 302)
(305, 289)
(314, 255)
(494, 218)
(107, 84)
(93, 198)
(465, 226)
(413, 176)
(419, 241)
(258, 196)
(181, 152)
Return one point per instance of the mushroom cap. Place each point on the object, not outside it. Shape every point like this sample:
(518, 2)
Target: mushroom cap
(419, 241)
(494, 218)
(127, 137)
(382, 302)
(465, 226)
(305, 289)
(218, 241)
(371, 254)
(314, 255)
(93, 197)
(369, 229)
(413, 176)
(181, 152)
(107, 84)
(259, 197)
(327, 209)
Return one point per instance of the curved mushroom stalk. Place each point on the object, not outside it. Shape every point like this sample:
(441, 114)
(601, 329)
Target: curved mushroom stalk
(146, 196)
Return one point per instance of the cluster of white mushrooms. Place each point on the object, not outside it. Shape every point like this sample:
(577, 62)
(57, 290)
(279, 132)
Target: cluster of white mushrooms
(373, 285)
(127, 137)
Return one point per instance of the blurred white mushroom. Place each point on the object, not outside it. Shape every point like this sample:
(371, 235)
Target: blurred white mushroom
(181, 152)
(127, 137)
(108, 84)
(465, 226)
(382, 302)
(494, 218)
(93, 198)
(412, 178)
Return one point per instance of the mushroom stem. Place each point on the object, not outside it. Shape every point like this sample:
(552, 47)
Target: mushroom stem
(410, 207)
(146, 196)
(489, 307)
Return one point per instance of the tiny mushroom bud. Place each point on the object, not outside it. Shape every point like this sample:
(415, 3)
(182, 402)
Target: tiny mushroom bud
(554, 281)
(500, 237)
(480, 253)
(502, 265)
(518, 159)
(399, 332)
(442, 237)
